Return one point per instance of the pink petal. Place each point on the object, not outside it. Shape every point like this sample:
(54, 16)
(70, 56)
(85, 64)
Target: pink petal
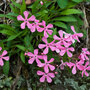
(50, 32)
(70, 64)
(52, 48)
(44, 23)
(74, 70)
(45, 58)
(87, 63)
(45, 34)
(45, 50)
(51, 60)
(40, 73)
(46, 69)
(86, 74)
(61, 33)
(23, 25)
(32, 18)
(1, 62)
(6, 58)
(40, 56)
(62, 52)
(72, 27)
(49, 26)
(42, 79)
(41, 65)
(26, 13)
(80, 67)
(80, 34)
(4, 53)
(35, 51)
(69, 54)
(29, 25)
(38, 61)
(30, 54)
(41, 46)
(51, 67)
(30, 61)
(56, 37)
(51, 75)
(33, 29)
(0, 48)
(39, 29)
(20, 18)
(44, 40)
(71, 49)
(88, 68)
(49, 80)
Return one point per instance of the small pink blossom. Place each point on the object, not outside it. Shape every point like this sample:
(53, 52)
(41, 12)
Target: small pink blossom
(62, 65)
(47, 64)
(3, 56)
(26, 21)
(47, 45)
(46, 29)
(76, 35)
(77, 65)
(46, 76)
(62, 40)
(33, 57)
(84, 54)
(41, 2)
(66, 49)
(86, 67)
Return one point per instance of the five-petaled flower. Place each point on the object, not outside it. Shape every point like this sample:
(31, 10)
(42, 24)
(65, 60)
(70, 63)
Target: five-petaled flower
(47, 64)
(46, 76)
(26, 21)
(33, 57)
(3, 56)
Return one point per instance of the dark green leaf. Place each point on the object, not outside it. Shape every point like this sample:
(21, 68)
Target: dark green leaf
(22, 56)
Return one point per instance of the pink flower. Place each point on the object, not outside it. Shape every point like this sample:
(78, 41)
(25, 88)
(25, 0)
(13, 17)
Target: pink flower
(47, 64)
(2, 56)
(84, 54)
(62, 65)
(47, 45)
(46, 76)
(46, 29)
(76, 35)
(75, 65)
(33, 57)
(86, 67)
(26, 21)
(66, 49)
(62, 40)
(41, 2)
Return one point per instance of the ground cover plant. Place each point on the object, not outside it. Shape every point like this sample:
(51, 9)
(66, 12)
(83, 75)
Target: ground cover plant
(39, 44)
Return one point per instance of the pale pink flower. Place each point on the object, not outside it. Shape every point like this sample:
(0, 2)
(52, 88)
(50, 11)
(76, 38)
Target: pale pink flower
(66, 49)
(75, 65)
(47, 64)
(76, 35)
(26, 21)
(46, 29)
(86, 67)
(41, 2)
(62, 39)
(47, 45)
(3, 57)
(62, 65)
(46, 76)
(84, 54)
(33, 57)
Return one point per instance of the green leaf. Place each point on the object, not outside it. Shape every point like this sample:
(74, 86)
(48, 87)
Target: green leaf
(13, 36)
(60, 24)
(66, 19)
(77, 1)
(6, 67)
(7, 32)
(70, 11)
(21, 47)
(62, 3)
(23, 7)
(22, 56)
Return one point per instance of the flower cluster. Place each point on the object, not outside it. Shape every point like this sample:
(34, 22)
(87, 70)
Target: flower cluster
(3, 56)
(61, 44)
